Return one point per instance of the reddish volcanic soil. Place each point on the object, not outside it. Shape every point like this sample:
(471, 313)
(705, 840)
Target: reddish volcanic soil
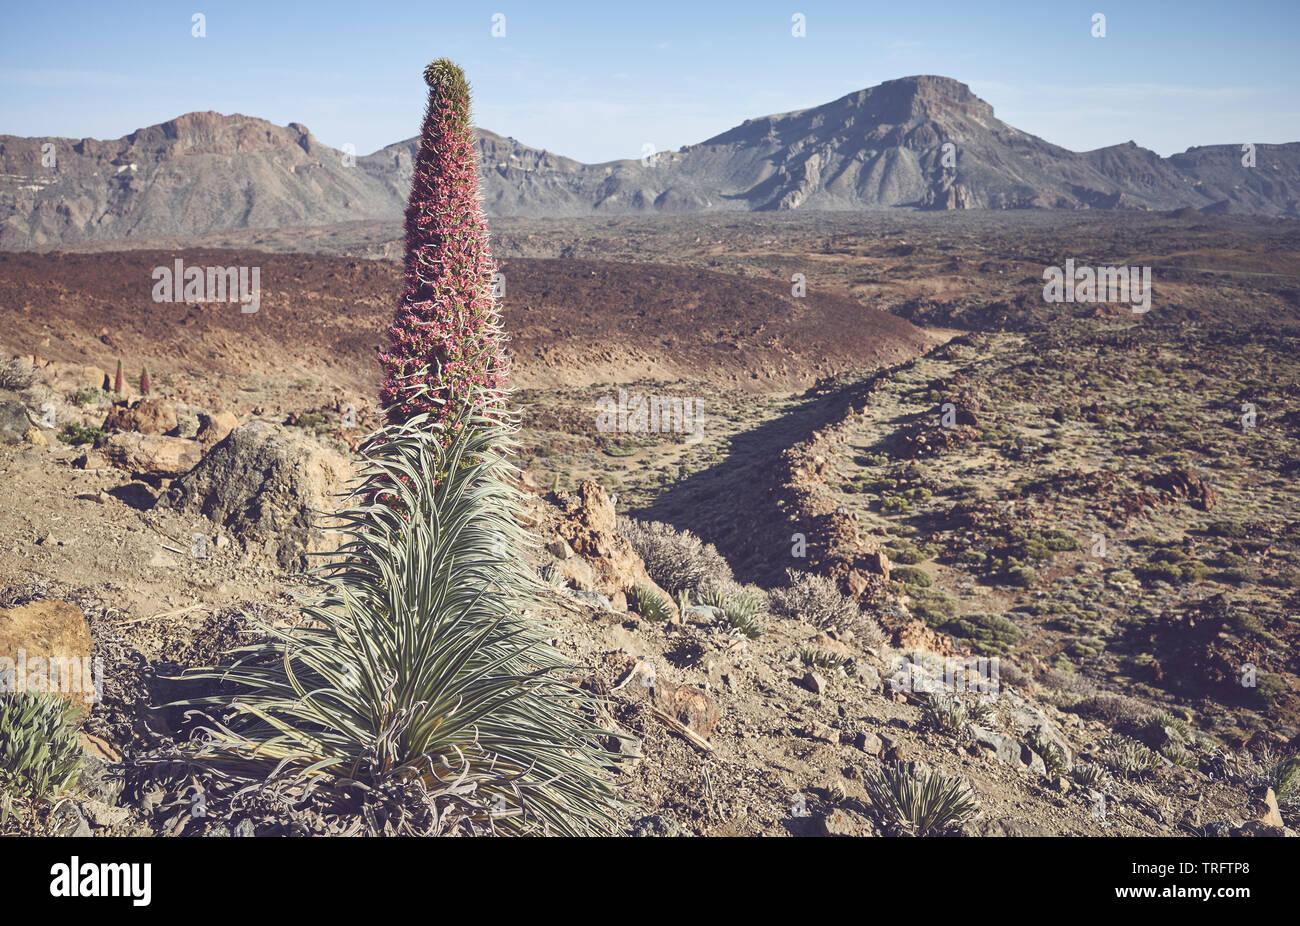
(322, 318)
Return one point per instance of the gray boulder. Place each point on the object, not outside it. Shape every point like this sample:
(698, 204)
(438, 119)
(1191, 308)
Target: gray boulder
(271, 488)
(13, 420)
(1005, 748)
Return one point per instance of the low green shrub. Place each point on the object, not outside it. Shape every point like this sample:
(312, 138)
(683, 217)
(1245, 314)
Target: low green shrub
(40, 744)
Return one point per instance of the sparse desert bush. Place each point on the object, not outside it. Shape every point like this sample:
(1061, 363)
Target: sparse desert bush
(907, 553)
(1233, 529)
(946, 713)
(819, 601)
(17, 374)
(40, 745)
(1128, 757)
(88, 395)
(650, 604)
(1287, 577)
(742, 612)
(989, 634)
(1172, 566)
(932, 606)
(1241, 575)
(1120, 577)
(1081, 648)
(895, 504)
(1269, 687)
(1021, 577)
(1159, 572)
(76, 435)
(1067, 683)
(314, 423)
(1116, 711)
(818, 659)
(1284, 779)
(677, 560)
(1051, 754)
(1012, 674)
(1088, 774)
(1059, 541)
(917, 800)
(1167, 555)
(910, 575)
(408, 700)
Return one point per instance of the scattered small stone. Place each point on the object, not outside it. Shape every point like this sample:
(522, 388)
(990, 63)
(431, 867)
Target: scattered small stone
(91, 460)
(1034, 761)
(892, 750)
(596, 599)
(814, 682)
(67, 820)
(1269, 814)
(1004, 748)
(869, 677)
(103, 814)
(660, 826)
(841, 822)
(559, 548)
(869, 743)
(823, 733)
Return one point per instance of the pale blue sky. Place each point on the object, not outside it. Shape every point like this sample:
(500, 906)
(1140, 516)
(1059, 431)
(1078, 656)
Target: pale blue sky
(597, 81)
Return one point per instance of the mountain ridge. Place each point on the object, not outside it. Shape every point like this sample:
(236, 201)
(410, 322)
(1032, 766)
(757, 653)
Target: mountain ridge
(921, 142)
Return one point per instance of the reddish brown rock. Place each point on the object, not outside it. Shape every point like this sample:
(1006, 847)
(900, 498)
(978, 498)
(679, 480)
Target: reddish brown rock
(147, 416)
(911, 633)
(689, 705)
(214, 428)
(151, 454)
(45, 646)
(1186, 485)
(587, 523)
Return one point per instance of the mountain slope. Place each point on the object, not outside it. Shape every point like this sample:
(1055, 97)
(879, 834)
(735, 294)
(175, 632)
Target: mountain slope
(199, 172)
(886, 146)
(1217, 173)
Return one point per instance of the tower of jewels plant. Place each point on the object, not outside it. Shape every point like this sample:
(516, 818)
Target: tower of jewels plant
(420, 693)
(446, 337)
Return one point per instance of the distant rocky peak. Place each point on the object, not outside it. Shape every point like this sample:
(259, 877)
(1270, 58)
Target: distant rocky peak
(920, 97)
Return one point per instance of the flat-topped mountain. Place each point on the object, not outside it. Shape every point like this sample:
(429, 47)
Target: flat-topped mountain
(922, 142)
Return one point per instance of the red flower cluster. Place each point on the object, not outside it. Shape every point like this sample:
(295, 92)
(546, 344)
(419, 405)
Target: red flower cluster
(446, 334)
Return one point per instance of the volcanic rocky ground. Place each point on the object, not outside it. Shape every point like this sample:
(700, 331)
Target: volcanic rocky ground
(821, 415)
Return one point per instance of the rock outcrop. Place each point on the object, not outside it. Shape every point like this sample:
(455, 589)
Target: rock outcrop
(588, 525)
(269, 487)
